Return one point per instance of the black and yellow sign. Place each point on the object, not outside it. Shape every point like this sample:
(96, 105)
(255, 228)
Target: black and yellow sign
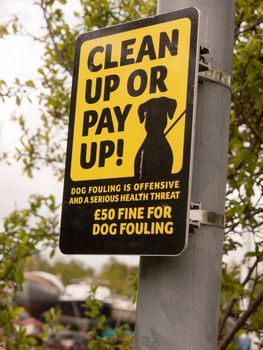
(128, 166)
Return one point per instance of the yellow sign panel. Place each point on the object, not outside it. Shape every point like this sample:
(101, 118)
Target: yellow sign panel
(118, 74)
(128, 167)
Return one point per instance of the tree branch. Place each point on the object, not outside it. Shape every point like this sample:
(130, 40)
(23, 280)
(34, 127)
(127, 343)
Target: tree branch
(241, 321)
(234, 300)
(51, 33)
(251, 27)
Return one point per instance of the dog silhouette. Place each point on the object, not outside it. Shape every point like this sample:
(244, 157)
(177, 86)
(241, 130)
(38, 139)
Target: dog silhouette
(154, 159)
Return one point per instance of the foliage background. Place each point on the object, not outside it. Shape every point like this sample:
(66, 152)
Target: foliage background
(30, 230)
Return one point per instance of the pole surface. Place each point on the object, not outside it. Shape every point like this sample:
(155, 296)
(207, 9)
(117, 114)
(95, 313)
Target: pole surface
(178, 298)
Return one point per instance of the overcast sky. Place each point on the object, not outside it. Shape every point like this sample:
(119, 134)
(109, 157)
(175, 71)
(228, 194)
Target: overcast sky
(20, 57)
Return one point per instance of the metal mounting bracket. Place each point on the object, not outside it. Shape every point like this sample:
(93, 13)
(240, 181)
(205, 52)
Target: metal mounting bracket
(217, 76)
(206, 72)
(199, 216)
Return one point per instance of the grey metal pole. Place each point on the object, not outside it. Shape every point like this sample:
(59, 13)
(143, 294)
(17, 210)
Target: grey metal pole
(178, 297)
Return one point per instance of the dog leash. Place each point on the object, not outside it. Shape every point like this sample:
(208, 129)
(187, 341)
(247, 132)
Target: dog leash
(177, 120)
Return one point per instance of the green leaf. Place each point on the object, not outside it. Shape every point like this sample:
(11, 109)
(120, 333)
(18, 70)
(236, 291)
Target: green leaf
(18, 100)
(30, 83)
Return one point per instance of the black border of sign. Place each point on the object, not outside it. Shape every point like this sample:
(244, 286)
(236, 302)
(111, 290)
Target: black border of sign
(67, 242)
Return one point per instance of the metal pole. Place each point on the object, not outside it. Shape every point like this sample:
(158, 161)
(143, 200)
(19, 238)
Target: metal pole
(178, 297)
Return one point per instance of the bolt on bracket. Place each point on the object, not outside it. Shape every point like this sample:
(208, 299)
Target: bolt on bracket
(199, 216)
